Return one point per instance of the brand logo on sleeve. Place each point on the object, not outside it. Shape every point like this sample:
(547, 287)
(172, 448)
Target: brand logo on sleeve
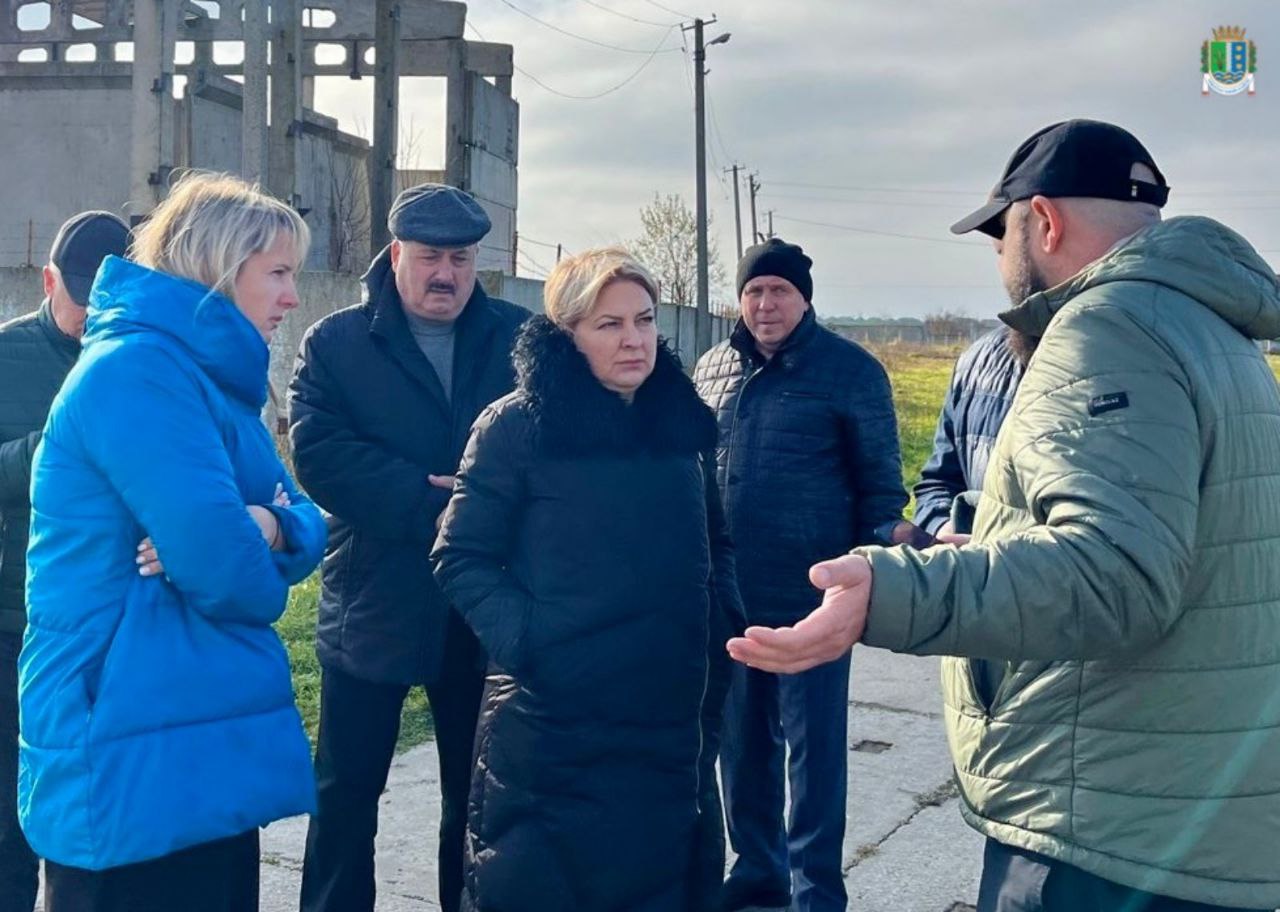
(1100, 405)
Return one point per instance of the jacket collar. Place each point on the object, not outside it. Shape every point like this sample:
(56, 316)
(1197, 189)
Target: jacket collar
(61, 341)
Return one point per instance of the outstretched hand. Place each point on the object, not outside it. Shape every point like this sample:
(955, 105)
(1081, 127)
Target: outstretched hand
(826, 634)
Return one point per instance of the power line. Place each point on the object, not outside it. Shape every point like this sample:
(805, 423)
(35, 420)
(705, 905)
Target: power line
(878, 233)
(569, 95)
(528, 240)
(611, 47)
(532, 265)
(601, 6)
(667, 9)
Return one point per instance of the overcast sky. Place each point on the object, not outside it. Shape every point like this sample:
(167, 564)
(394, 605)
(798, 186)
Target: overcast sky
(817, 95)
(888, 117)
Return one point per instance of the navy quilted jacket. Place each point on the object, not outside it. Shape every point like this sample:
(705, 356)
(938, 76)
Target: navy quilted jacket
(807, 460)
(979, 397)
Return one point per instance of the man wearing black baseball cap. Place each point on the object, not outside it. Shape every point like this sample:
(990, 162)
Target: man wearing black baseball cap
(36, 352)
(1119, 746)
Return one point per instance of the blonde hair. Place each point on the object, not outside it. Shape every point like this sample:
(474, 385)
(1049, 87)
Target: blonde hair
(575, 283)
(210, 224)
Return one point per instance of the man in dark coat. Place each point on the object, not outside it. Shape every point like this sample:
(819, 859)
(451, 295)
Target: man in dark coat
(36, 352)
(809, 466)
(381, 404)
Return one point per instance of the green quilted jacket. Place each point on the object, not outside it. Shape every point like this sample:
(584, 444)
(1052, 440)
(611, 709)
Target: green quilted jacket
(1125, 572)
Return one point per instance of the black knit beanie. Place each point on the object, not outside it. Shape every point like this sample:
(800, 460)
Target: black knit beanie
(775, 257)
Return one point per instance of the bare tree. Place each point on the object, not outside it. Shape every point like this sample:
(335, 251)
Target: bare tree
(668, 245)
(349, 228)
(950, 327)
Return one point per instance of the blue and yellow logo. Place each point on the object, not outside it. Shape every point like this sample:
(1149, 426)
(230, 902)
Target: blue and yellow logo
(1228, 62)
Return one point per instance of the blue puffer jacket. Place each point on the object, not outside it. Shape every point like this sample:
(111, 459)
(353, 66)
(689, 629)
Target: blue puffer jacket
(982, 387)
(157, 713)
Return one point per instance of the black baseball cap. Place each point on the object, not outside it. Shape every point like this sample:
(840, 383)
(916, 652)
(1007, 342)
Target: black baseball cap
(83, 242)
(1073, 158)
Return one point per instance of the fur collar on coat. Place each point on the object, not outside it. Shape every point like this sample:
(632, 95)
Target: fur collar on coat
(575, 415)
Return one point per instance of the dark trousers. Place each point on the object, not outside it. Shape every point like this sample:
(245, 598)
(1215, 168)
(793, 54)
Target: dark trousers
(359, 724)
(19, 868)
(1015, 880)
(220, 876)
(766, 714)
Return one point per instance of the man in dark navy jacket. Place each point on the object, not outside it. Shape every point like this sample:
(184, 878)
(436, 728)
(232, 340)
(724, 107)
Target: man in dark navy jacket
(979, 397)
(381, 405)
(809, 468)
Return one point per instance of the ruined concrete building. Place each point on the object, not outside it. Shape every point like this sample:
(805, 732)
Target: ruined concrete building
(102, 100)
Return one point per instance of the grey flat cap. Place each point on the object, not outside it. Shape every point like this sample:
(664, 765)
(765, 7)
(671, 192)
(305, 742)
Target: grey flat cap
(438, 215)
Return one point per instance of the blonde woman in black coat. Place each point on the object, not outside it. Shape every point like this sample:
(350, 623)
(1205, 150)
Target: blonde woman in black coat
(586, 548)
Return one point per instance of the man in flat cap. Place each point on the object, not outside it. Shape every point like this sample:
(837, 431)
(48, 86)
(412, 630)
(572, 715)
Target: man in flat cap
(1113, 697)
(808, 467)
(36, 352)
(381, 403)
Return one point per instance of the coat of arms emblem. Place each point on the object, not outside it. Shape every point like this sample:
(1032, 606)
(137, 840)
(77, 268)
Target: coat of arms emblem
(1228, 62)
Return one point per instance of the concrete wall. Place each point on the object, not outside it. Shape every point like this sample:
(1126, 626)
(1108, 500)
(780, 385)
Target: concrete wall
(209, 119)
(65, 149)
(518, 290)
(67, 132)
(20, 291)
(492, 167)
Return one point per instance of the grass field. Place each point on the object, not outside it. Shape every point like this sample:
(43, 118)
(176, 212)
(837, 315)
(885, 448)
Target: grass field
(919, 378)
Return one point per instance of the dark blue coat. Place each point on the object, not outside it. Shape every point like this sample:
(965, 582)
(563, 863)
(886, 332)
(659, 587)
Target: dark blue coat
(807, 460)
(369, 421)
(982, 388)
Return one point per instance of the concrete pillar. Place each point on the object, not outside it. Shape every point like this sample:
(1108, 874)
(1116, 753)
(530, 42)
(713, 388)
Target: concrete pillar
(286, 100)
(155, 28)
(203, 58)
(503, 84)
(386, 97)
(457, 117)
(253, 124)
(309, 92)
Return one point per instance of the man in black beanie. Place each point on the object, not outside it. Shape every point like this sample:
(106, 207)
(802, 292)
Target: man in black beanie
(808, 467)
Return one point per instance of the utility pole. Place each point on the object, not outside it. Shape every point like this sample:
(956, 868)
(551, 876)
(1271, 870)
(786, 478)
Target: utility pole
(770, 214)
(754, 186)
(702, 323)
(737, 208)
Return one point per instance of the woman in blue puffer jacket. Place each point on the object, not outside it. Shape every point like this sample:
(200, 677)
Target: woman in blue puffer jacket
(158, 724)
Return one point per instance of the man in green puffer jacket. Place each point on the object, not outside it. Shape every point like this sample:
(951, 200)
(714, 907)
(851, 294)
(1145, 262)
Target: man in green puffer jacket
(1122, 587)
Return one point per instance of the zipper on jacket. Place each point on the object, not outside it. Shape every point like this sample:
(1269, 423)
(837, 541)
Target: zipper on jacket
(733, 433)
